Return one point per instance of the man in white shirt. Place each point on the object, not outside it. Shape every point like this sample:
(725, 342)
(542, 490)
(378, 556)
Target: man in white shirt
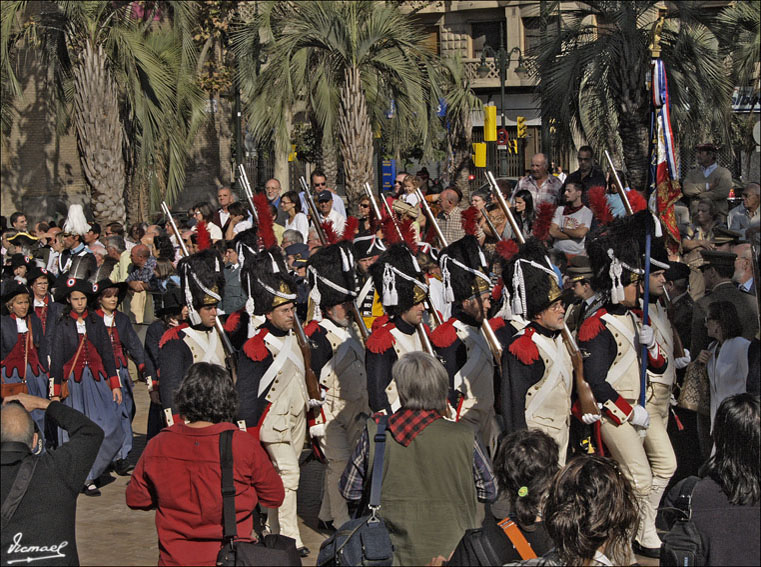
(328, 213)
(222, 216)
(571, 222)
(743, 275)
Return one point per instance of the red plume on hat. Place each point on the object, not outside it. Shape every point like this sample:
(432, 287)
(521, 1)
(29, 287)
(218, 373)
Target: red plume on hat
(204, 238)
(389, 230)
(350, 229)
(541, 229)
(266, 233)
(329, 230)
(507, 248)
(598, 202)
(469, 223)
(408, 234)
(637, 201)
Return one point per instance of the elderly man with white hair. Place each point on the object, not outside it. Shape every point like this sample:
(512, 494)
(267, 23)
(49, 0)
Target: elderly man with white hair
(544, 188)
(745, 218)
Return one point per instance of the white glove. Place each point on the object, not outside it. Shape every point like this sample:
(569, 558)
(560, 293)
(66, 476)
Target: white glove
(317, 430)
(647, 337)
(672, 401)
(590, 418)
(682, 361)
(639, 417)
(312, 403)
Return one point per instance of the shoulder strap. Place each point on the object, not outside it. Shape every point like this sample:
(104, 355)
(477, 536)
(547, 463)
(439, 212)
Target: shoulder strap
(19, 488)
(380, 449)
(519, 541)
(230, 529)
(82, 339)
(684, 500)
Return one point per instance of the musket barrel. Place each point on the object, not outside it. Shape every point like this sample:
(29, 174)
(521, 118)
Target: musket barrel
(505, 207)
(619, 185)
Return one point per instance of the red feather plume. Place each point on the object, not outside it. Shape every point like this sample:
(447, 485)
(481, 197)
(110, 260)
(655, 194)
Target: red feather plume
(598, 202)
(543, 221)
(330, 233)
(389, 230)
(469, 223)
(265, 220)
(204, 238)
(408, 233)
(637, 201)
(507, 248)
(350, 229)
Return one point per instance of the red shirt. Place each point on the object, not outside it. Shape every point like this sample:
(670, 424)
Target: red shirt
(179, 475)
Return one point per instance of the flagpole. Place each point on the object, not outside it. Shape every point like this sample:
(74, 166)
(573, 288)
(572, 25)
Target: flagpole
(655, 52)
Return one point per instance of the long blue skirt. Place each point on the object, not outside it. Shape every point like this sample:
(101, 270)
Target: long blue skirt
(126, 411)
(37, 386)
(95, 400)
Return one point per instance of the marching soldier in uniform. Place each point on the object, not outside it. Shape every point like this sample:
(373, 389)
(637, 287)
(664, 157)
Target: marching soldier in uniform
(403, 296)
(612, 339)
(367, 249)
(579, 278)
(271, 383)
(537, 373)
(459, 342)
(505, 323)
(196, 340)
(338, 360)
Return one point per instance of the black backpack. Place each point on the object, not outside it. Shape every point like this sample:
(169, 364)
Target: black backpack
(682, 545)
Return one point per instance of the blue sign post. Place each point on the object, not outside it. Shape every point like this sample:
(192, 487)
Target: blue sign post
(388, 174)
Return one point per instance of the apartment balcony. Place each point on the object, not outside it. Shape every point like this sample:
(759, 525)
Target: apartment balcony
(491, 80)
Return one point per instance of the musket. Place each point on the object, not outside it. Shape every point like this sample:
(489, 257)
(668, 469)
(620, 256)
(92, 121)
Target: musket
(619, 186)
(422, 335)
(232, 363)
(431, 219)
(583, 390)
(364, 333)
(243, 177)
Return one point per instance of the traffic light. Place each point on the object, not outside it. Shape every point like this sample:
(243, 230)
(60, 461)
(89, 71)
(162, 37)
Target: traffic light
(521, 123)
(490, 123)
(479, 154)
(512, 146)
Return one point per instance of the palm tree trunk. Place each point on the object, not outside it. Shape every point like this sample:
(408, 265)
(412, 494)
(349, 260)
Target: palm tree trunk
(635, 132)
(99, 134)
(329, 158)
(460, 137)
(356, 136)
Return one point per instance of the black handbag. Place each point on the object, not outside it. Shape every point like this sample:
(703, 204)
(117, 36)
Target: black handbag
(364, 541)
(270, 550)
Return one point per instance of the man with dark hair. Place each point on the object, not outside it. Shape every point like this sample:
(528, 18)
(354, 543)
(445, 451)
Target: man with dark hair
(92, 237)
(45, 518)
(718, 269)
(588, 175)
(18, 221)
(319, 183)
(114, 229)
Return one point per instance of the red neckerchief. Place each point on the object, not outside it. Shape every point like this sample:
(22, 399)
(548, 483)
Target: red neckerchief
(406, 424)
(569, 210)
(75, 316)
(42, 312)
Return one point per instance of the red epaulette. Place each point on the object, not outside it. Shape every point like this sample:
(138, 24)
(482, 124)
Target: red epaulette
(523, 348)
(172, 334)
(496, 323)
(592, 326)
(311, 328)
(445, 334)
(381, 339)
(640, 315)
(255, 348)
(233, 321)
(379, 322)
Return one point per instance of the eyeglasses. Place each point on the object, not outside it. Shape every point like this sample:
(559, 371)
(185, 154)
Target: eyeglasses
(320, 184)
(557, 306)
(364, 206)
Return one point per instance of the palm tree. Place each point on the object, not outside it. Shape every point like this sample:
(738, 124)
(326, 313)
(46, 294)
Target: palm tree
(592, 78)
(460, 102)
(347, 61)
(123, 81)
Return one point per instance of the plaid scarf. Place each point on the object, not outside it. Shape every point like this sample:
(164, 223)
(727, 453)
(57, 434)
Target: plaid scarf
(406, 424)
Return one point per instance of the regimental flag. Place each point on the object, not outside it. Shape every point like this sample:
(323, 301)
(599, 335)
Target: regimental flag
(664, 164)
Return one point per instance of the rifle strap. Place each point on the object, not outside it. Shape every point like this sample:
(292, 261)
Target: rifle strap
(519, 541)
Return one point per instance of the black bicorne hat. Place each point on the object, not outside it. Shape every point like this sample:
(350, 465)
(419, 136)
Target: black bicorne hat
(331, 275)
(271, 284)
(202, 281)
(462, 266)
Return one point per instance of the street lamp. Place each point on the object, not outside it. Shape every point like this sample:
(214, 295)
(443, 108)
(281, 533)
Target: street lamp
(503, 60)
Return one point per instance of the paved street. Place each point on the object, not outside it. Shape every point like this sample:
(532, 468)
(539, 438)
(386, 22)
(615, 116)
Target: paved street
(109, 533)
